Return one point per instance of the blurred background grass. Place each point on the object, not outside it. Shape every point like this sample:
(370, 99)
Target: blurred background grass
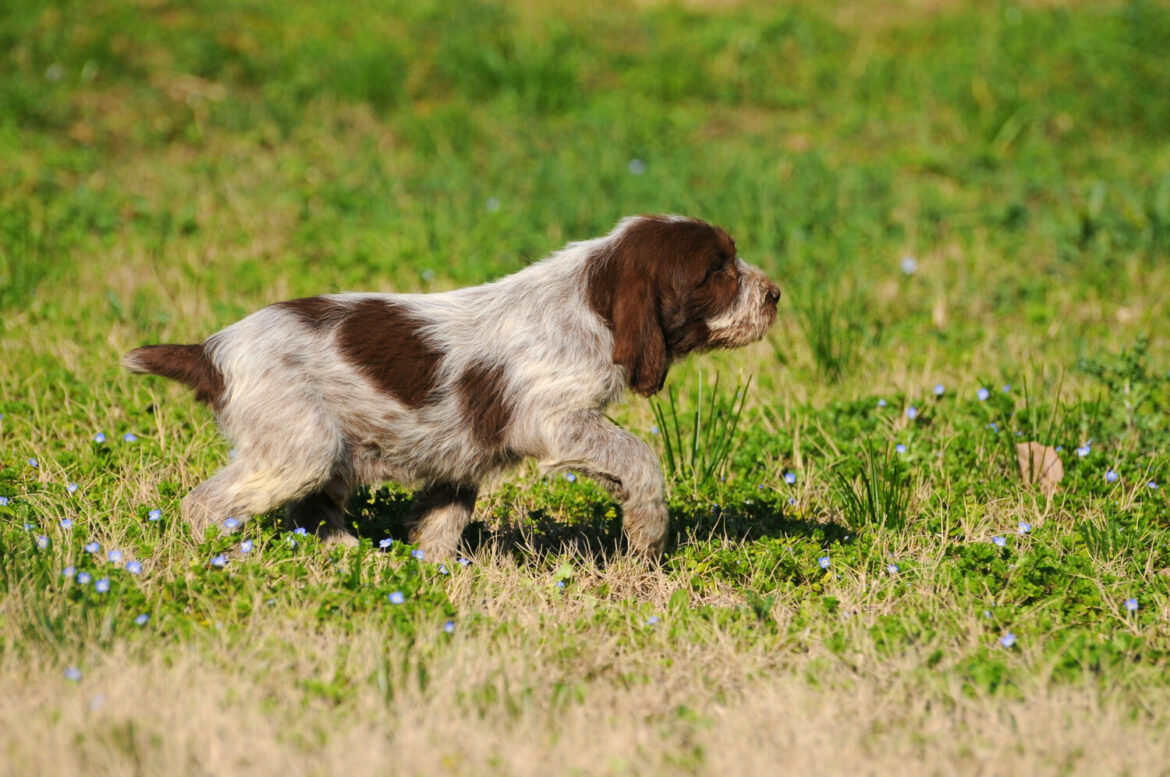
(1016, 150)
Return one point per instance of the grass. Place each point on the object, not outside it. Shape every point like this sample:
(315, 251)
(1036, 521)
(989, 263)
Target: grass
(169, 168)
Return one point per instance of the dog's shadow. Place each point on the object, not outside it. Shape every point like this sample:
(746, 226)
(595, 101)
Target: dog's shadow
(597, 535)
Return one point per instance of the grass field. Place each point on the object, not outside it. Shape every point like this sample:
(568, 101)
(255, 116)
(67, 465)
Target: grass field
(967, 205)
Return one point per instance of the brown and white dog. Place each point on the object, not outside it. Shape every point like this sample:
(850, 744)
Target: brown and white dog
(446, 390)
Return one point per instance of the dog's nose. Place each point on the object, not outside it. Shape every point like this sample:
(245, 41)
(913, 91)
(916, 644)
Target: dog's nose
(773, 293)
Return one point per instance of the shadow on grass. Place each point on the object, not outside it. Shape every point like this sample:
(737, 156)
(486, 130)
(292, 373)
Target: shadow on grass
(597, 535)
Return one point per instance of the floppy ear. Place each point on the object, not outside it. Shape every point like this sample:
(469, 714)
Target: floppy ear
(625, 297)
(639, 344)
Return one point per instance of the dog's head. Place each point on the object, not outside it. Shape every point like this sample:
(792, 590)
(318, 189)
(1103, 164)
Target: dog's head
(667, 286)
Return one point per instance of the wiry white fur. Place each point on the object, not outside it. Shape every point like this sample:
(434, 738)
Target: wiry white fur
(308, 425)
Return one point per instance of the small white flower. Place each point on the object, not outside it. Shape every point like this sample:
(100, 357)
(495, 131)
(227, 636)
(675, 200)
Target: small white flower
(909, 265)
(636, 166)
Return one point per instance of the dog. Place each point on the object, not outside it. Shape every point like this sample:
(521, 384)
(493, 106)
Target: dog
(446, 391)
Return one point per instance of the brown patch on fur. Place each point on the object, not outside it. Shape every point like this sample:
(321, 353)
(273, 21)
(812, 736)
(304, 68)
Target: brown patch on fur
(317, 312)
(384, 343)
(482, 400)
(656, 288)
(188, 364)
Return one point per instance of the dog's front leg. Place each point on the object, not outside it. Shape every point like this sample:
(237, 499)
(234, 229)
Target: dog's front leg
(626, 467)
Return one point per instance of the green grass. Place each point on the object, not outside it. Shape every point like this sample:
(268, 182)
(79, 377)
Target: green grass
(167, 168)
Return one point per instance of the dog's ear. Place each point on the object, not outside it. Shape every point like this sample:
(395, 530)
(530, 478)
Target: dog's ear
(623, 290)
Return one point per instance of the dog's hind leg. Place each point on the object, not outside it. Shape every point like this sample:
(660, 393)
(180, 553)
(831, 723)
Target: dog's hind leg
(438, 516)
(248, 487)
(323, 513)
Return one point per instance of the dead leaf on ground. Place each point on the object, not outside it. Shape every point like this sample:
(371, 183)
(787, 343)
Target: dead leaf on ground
(1040, 464)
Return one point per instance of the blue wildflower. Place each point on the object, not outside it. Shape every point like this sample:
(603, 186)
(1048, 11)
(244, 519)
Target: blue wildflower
(69, 572)
(1025, 527)
(569, 476)
(1131, 605)
(1084, 450)
(939, 390)
(1000, 541)
(653, 620)
(83, 578)
(396, 597)
(114, 556)
(33, 463)
(789, 477)
(3, 501)
(219, 561)
(142, 619)
(900, 448)
(134, 567)
(99, 437)
(881, 403)
(912, 412)
(246, 546)
(42, 541)
(301, 530)
(892, 569)
(130, 437)
(66, 523)
(418, 553)
(791, 500)
(232, 453)
(73, 674)
(230, 523)
(993, 426)
(71, 488)
(909, 265)
(385, 543)
(93, 547)
(443, 569)
(824, 562)
(1007, 388)
(1111, 476)
(449, 627)
(653, 430)
(1152, 484)
(983, 394)
(1007, 640)
(463, 562)
(155, 514)
(102, 585)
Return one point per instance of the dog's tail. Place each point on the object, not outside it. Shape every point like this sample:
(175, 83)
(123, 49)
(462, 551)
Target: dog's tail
(188, 364)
